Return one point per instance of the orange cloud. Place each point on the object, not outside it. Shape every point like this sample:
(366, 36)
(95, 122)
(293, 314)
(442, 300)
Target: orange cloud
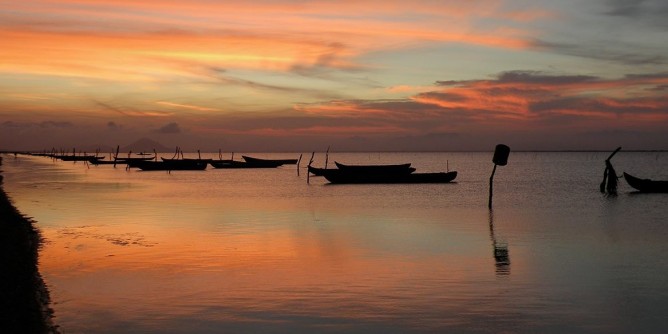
(185, 106)
(142, 57)
(319, 130)
(340, 109)
(129, 40)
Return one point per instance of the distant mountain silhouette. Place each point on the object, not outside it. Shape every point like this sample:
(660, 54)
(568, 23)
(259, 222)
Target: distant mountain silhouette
(145, 145)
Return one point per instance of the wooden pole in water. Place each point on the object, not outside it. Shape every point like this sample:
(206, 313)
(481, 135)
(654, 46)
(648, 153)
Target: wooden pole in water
(299, 161)
(501, 159)
(326, 157)
(610, 175)
(127, 166)
(308, 174)
(118, 147)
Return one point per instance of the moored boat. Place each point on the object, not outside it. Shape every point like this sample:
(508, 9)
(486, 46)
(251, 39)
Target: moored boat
(88, 158)
(269, 161)
(221, 164)
(342, 176)
(106, 162)
(134, 159)
(168, 165)
(646, 185)
(316, 171)
(187, 159)
(121, 161)
(400, 168)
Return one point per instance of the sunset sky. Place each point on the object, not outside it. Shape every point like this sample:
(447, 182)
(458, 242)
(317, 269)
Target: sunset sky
(278, 75)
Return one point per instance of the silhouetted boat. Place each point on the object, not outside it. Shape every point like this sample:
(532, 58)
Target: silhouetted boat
(120, 161)
(400, 168)
(342, 176)
(316, 171)
(220, 164)
(88, 158)
(220, 161)
(646, 185)
(134, 159)
(187, 159)
(365, 169)
(269, 161)
(168, 165)
(106, 162)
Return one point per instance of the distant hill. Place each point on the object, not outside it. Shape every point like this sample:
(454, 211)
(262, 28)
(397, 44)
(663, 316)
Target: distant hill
(145, 145)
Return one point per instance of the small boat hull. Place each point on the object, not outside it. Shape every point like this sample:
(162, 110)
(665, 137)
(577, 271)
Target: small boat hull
(400, 168)
(89, 158)
(168, 165)
(646, 185)
(342, 177)
(230, 164)
(317, 171)
(278, 162)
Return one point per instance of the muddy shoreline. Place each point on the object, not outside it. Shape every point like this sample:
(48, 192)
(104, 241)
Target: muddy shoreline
(24, 297)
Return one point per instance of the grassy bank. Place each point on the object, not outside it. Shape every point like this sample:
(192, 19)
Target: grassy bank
(24, 299)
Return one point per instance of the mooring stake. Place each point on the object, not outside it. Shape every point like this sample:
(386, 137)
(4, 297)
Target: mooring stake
(500, 159)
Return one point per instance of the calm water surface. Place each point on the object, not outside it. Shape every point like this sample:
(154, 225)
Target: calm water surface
(263, 251)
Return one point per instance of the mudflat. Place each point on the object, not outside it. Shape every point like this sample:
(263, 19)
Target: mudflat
(24, 299)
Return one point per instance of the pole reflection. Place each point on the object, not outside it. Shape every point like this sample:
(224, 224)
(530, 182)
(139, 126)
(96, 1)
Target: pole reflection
(501, 256)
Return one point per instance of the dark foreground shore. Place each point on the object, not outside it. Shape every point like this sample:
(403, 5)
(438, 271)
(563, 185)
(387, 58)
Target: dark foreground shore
(24, 299)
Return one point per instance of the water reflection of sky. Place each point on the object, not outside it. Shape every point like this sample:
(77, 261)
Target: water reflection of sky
(216, 251)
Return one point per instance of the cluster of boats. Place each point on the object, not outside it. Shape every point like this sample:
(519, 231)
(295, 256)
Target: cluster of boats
(399, 173)
(343, 173)
(201, 164)
(150, 162)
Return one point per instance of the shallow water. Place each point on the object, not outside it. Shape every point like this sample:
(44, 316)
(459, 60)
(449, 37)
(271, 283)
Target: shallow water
(263, 251)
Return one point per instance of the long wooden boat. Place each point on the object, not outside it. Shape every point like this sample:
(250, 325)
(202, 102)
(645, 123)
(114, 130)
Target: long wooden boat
(135, 159)
(400, 168)
(316, 171)
(168, 165)
(242, 164)
(341, 177)
(221, 161)
(646, 185)
(121, 161)
(88, 158)
(269, 161)
(187, 159)
(107, 162)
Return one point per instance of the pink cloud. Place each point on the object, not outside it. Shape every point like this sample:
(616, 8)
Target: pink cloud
(515, 101)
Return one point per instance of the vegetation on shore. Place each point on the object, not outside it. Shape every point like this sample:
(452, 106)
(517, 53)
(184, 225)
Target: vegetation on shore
(24, 298)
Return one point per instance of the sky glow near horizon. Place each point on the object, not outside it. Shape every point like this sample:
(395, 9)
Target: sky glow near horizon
(356, 75)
